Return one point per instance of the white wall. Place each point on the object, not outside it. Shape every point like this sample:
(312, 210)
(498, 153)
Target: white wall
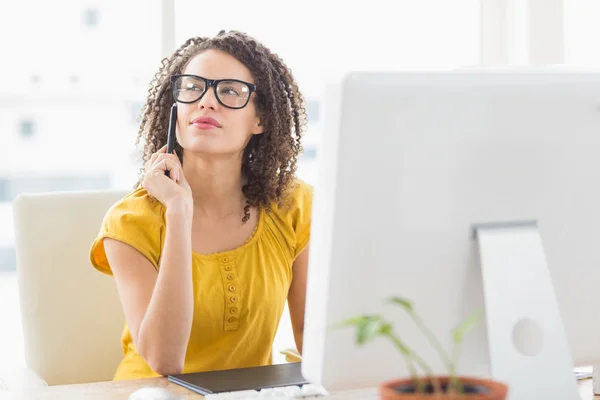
(320, 39)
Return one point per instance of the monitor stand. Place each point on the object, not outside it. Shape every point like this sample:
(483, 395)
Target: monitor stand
(528, 346)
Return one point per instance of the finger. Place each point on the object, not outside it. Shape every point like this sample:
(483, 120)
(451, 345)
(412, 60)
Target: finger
(162, 149)
(171, 157)
(165, 155)
(176, 174)
(181, 176)
(178, 161)
(174, 154)
(166, 164)
(150, 161)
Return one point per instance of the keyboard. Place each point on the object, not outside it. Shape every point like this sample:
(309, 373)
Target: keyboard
(307, 391)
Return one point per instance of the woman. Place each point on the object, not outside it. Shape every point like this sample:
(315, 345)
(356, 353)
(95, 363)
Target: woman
(205, 258)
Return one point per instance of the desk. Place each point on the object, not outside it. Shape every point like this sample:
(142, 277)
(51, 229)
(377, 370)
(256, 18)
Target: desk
(122, 389)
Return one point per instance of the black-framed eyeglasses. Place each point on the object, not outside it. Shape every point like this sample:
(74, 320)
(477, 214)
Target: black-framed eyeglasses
(231, 93)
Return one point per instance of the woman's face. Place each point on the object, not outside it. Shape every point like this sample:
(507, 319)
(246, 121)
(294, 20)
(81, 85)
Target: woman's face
(206, 125)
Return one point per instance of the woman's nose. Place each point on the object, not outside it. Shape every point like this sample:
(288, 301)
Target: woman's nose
(209, 100)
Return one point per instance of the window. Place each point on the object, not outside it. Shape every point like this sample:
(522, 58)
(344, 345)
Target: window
(11, 188)
(27, 128)
(3, 189)
(90, 17)
(312, 110)
(8, 259)
(87, 37)
(136, 109)
(309, 153)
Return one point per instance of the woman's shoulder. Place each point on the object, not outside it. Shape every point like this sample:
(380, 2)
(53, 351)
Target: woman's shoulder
(137, 219)
(296, 202)
(298, 195)
(135, 208)
(137, 203)
(291, 217)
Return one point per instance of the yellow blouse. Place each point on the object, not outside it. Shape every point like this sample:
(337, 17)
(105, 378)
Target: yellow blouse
(239, 295)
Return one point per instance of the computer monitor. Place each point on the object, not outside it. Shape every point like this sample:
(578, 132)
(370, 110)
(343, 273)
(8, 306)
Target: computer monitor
(412, 163)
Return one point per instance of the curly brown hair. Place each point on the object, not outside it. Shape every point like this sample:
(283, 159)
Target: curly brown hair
(269, 160)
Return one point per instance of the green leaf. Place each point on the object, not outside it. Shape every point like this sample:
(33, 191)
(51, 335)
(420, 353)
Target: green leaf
(466, 326)
(402, 302)
(385, 328)
(355, 321)
(368, 326)
(368, 330)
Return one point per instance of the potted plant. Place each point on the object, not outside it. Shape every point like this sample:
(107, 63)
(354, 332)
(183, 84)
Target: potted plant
(448, 387)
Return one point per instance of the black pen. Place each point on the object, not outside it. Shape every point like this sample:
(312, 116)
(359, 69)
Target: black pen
(171, 138)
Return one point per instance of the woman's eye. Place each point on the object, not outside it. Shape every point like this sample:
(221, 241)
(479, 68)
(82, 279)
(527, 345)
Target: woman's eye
(193, 89)
(229, 91)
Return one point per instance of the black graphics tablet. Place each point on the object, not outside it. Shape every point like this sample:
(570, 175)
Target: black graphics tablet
(232, 380)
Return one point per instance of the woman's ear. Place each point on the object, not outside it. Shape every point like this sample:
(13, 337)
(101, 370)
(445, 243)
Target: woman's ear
(257, 128)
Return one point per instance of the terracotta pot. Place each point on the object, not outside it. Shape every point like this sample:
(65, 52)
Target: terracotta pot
(480, 389)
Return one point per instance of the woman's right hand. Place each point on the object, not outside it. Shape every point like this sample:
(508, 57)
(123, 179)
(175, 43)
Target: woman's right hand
(166, 189)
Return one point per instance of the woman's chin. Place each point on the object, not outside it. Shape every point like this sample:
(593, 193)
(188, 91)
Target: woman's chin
(214, 145)
(209, 149)
(205, 145)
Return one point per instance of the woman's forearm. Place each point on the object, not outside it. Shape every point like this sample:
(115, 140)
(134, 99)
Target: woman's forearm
(165, 330)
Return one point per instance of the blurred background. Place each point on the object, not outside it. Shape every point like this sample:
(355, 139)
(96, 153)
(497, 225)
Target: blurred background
(75, 73)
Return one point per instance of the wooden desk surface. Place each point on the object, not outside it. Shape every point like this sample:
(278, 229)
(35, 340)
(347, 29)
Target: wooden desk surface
(122, 389)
